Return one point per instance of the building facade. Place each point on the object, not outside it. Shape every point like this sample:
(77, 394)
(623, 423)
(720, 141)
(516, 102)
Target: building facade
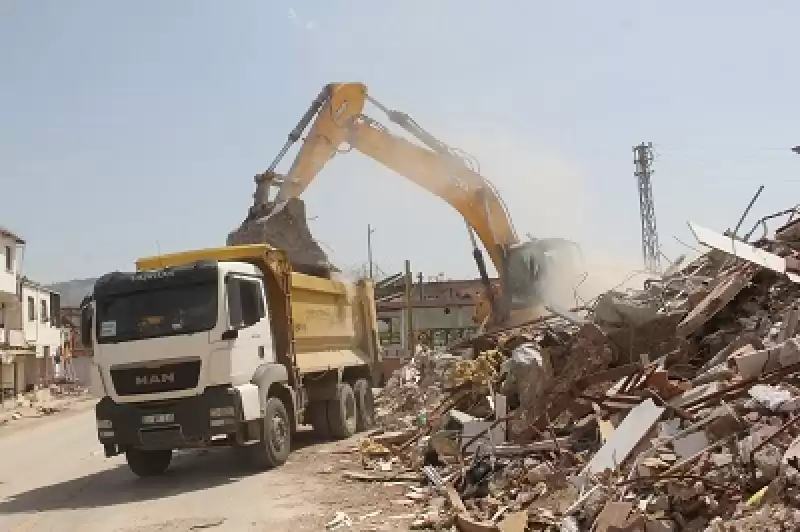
(441, 314)
(30, 334)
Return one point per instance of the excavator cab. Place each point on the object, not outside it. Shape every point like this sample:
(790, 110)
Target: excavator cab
(538, 273)
(525, 265)
(540, 270)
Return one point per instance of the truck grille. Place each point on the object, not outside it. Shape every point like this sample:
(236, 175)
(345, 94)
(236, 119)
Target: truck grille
(166, 378)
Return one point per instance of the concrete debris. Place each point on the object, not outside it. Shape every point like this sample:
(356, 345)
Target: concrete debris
(39, 404)
(340, 520)
(670, 408)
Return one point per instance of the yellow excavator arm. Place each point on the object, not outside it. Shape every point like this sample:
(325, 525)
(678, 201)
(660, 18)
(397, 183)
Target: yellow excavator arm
(338, 120)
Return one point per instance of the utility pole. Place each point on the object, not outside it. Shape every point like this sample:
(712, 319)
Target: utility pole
(409, 284)
(643, 160)
(370, 230)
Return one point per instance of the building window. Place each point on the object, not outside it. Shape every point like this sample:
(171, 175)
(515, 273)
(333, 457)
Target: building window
(9, 259)
(390, 329)
(31, 309)
(44, 317)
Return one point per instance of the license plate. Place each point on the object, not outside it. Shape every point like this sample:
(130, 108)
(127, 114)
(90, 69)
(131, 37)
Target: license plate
(151, 419)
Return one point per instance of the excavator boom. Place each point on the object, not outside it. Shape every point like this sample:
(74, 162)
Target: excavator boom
(436, 167)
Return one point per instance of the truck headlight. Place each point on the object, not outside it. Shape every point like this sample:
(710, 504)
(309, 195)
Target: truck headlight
(222, 411)
(104, 424)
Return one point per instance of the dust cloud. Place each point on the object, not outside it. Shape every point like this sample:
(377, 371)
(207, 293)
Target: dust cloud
(545, 191)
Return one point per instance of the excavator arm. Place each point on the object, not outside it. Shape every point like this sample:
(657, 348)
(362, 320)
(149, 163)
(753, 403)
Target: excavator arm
(435, 167)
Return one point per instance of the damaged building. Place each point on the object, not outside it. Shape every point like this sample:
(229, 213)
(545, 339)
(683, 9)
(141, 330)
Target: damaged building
(671, 408)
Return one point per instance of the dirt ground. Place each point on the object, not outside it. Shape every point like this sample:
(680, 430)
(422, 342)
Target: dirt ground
(54, 476)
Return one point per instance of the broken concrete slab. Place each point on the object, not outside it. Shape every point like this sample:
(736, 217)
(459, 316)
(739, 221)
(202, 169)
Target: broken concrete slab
(696, 393)
(636, 425)
(742, 250)
(750, 364)
(722, 294)
(615, 307)
(690, 444)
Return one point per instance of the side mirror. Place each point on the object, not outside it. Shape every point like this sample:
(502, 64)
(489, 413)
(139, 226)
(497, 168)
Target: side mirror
(86, 326)
(230, 334)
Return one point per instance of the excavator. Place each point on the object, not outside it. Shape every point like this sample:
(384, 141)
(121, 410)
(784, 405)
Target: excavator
(335, 123)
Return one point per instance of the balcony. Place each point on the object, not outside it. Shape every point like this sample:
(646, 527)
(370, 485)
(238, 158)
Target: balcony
(12, 337)
(8, 284)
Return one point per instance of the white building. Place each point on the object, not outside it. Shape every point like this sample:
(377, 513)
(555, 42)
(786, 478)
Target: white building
(30, 335)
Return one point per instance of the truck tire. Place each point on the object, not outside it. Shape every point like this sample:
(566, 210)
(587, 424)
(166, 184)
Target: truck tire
(342, 413)
(365, 402)
(318, 417)
(148, 463)
(276, 436)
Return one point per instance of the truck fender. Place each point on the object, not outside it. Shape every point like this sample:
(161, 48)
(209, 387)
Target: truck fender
(268, 374)
(265, 376)
(249, 400)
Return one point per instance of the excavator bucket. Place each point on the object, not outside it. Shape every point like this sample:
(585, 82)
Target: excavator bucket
(286, 229)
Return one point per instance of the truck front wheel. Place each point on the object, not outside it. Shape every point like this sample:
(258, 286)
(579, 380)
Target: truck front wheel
(148, 463)
(342, 413)
(276, 437)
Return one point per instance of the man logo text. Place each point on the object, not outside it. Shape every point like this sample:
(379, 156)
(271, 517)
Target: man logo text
(162, 378)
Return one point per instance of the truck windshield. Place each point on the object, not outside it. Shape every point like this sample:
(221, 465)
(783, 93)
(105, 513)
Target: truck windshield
(165, 311)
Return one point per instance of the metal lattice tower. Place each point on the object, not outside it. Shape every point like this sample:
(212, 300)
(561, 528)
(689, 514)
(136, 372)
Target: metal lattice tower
(643, 159)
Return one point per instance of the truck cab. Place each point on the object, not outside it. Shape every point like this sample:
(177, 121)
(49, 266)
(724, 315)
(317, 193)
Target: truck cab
(202, 353)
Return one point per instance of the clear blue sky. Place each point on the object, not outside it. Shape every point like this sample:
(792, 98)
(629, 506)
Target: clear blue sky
(129, 127)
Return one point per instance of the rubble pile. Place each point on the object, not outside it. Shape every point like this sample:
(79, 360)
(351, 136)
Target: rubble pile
(676, 407)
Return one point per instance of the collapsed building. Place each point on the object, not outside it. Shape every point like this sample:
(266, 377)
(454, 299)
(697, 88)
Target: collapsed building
(674, 407)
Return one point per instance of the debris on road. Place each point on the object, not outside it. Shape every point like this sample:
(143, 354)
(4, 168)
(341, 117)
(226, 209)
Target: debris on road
(38, 404)
(674, 407)
(340, 520)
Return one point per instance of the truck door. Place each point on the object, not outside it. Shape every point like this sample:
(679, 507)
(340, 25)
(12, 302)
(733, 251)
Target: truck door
(247, 315)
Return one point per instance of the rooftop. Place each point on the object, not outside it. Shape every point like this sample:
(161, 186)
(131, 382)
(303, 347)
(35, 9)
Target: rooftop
(24, 281)
(8, 234)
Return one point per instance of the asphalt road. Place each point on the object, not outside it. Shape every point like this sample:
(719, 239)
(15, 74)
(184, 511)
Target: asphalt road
(54, 476)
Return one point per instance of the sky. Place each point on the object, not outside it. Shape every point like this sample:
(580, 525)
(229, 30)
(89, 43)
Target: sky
(132, 128)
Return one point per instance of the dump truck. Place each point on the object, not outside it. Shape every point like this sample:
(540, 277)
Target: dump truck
(227, 347)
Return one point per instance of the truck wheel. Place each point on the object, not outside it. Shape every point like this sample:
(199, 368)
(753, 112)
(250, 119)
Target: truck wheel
(276, 439)
(342, 413)
(148, 463)
(365, 418)
(318, 417)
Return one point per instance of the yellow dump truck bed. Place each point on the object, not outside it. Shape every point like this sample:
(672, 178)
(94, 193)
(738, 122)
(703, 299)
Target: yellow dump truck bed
(333, 324)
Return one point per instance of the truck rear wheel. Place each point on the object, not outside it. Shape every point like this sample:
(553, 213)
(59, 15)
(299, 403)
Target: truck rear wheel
(148, 463)
(365, 402)
(276, 436)
(342, 413)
